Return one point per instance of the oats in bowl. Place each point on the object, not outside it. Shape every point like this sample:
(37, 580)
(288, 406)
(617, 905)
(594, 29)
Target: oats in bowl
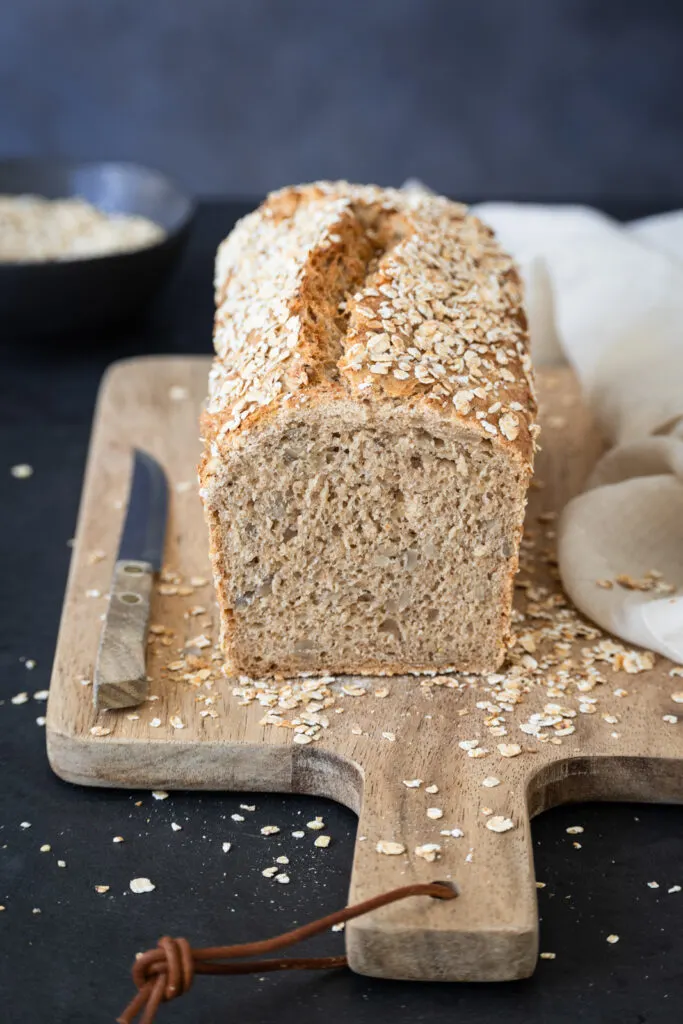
(34, 229)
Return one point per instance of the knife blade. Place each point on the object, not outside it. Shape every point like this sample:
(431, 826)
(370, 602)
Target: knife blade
(120, 670)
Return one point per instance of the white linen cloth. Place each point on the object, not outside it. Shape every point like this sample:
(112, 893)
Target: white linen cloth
(609, 298)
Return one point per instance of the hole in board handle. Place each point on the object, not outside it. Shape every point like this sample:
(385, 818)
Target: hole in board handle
(448, 885)
(130, 598)
(133, 570)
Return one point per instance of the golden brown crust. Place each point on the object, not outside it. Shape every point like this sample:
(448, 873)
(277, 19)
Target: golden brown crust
(335, 289)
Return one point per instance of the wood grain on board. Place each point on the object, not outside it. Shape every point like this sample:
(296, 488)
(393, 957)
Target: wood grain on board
(489, 932)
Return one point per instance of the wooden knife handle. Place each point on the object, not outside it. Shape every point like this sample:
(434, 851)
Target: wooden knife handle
(120, 672)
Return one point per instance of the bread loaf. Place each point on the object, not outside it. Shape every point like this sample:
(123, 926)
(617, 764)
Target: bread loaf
(369, 435)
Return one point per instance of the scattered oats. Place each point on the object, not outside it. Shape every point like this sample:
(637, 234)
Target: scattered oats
(200, 641)
(302, 738)
(653, 885)
(30, 664)
(455, 833)
(99, 730)
(45, 848)
(540, 885)
(117, 839)
(432, 789)
(133, 718)
(353, 690)
(19, 698)
(282, 878)
(390, 848)
(356, 730)
(338, 927)
(25, 824)
(282, 860)
(176, 827)
(605, 584)
(389, 736)
(61, 863)
(155, 723)
(226, 847)
(104, 888)
(577, 846)
(486, 811)
(299, 834)
(547, 956)
(40, 720)
(428, 851)
(612, 939)
(177, 393)
(384, 691)
(412, 783)
(268, 830)
(674, 888)
(36, 910)
(160, 794)
(177, 722)
(198, 581)
(468, 744)
(677, 670)
(316, 824)
(574, 830)
(93, 593)
(237, 817)
(22, 471)
(269, 872)
(677, 697)
(499, 824)
(141, 885)
(670, 719)
(247, 807)
(509, 749)
(477, 752)
(323, 841)
(491, 782)
(434, 813)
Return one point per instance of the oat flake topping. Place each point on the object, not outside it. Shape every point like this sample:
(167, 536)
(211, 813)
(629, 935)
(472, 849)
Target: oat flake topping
(434, 308)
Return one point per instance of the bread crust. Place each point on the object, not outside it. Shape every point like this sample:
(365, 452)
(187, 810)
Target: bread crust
(464, 320)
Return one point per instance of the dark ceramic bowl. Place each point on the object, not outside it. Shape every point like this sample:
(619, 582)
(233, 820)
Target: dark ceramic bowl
(96, 294)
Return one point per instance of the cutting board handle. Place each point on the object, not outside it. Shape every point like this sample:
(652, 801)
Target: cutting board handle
(490, 933)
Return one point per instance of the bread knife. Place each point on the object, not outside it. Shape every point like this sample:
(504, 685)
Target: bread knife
(120, 670)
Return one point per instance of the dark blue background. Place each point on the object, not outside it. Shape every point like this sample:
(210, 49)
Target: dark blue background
(537, 98)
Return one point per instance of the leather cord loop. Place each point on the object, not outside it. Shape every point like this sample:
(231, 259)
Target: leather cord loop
(168, 971)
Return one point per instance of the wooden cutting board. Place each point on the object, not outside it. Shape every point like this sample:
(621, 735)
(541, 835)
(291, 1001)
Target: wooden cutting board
(372, 742)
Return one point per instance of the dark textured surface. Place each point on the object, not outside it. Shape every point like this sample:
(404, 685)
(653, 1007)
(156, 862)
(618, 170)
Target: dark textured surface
(531, 97)
(69, 964)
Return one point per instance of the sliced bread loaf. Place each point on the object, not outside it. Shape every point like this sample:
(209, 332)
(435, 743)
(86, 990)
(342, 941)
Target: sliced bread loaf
(369, 435)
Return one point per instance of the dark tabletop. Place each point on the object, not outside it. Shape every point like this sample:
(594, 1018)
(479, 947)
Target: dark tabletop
(69, 962)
